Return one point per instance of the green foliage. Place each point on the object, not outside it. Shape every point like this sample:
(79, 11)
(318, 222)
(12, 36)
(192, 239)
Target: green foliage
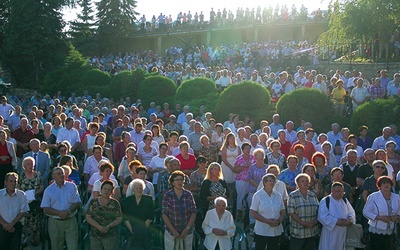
(115, 22)
(158, 89)
(66, 78)
(197, 92)
(306, 104)
(246, 99)
(371, 114)
(33, 41)
(126, 83)
(94, 81)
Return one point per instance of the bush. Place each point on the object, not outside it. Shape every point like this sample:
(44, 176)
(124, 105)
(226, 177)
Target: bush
(246, 99)
(376, 115)
(306, 104)
(126, 83)
(197, 92)
(158, 89)
(95, 81)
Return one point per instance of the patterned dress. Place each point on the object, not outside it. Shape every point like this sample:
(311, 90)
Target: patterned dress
(32, 218)
(104, 215)
(216, 189)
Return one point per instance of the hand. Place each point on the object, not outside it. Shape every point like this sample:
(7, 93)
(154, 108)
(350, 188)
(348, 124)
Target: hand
(184, 233)
(394, 218)
(217, 231)
(176, 234)
(102, 229)
(9, 227)
(64, 214)
(307, 224)
(274, 223)
(384, 218)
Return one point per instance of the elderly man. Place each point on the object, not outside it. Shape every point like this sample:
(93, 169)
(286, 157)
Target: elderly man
(275, 126)
(291, 134)
(22, 135)
(335, 134)
(359, 94)
(194, 138)
(13, 207)
(380, 141)
(60, 202)
(42, 160)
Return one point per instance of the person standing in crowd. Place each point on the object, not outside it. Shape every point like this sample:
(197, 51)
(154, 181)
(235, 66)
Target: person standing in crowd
(42, 160)
(13, 207)
(382, 210)
(335, 213)
(60, 202)
(8, 159)
(303, 210)
(104, 215)
(268, 209)
(213, 186)
(178, 213)
(22, 135)
(218, 226)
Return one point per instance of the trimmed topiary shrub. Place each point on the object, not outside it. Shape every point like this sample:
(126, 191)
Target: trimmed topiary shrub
(158, 89)
(246, 99)
(126, 84)
(94, 80)
(196, 92)
(306, 104)
(376, 115)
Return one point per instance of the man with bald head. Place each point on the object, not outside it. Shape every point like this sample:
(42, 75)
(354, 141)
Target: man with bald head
(380, 141)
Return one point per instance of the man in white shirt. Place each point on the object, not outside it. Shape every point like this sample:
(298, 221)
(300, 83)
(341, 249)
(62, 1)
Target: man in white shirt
(5, 109)
(70, 134)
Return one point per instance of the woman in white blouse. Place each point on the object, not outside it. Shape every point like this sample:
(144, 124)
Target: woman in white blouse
(218, 226)
(268, 210)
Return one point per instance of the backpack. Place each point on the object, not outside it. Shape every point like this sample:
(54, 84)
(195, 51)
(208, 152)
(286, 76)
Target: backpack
(328, 201)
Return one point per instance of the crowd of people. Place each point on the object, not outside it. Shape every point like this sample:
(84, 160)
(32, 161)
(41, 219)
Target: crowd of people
(115, 161)
(226, 18)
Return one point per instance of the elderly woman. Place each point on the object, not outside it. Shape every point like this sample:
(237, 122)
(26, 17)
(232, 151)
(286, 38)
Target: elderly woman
(303, 210)
(218, 226)
(279, 186)
(392, 157)
(141, 173)
(322, 170)
(104, 215)
(210, 152)
(298, 152)
(30, 180)
(8, 158)
(380, 154)
(315, 185)
(382, 211)
(275, 156)
(50, 139)
(213, 186)
(123, 169)
(329, 155)
(179, 229)
(268, 209)
(138, 214)
(335, 213)
(242, 165)
(369, 185)
(132, 165)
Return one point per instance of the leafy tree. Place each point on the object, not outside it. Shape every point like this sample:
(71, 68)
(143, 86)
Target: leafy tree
(82, 30)
(357, 21)
(115, 22)
(246, 99)
(33, 40)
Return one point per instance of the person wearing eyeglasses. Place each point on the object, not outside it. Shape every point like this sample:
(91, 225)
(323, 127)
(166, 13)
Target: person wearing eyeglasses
(370, 186)
(178, 213)
(335, 213)
(382, 211)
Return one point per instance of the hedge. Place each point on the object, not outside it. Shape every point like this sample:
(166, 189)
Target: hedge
(376, 115)
(94, 81)
(246, 99)
(158, 89)
(197, 92)
(306, 104)
(126, 83)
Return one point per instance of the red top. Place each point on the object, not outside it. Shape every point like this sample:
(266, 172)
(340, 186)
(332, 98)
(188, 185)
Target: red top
(3, 152)
(309, 149)
(189, 163)
(285, 148)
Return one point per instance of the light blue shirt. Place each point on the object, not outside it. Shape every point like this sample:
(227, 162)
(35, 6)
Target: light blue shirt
(60, 197)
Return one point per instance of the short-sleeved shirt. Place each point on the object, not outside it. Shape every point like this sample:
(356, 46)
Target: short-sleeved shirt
(240, 161)
(288, 176)
(256, 174)
(370, 185)
(306, 209)
(12, 205)
(187, 164)
(104, 215)
(178, 209)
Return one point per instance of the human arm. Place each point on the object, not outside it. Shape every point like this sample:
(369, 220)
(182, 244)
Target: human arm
(224, 158)
(10, 226)
(189, 225)
(170, 226)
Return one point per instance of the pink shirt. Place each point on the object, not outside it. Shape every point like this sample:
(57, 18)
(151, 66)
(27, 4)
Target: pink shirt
(242, 176)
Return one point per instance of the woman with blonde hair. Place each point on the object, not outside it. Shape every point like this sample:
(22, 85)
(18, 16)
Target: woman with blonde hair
(213, 186)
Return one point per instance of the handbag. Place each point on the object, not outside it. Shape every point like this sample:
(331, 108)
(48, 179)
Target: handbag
(34, 206)
(354, 234)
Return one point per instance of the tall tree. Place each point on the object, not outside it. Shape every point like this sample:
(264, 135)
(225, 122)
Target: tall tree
(116, 22)
(33, 40)
(82, 30)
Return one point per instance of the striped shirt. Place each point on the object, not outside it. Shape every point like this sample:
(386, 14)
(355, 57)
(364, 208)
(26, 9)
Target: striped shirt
(306, 209)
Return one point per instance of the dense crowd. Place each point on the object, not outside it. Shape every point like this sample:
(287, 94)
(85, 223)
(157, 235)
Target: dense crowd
(114, 160)
(226, 18)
